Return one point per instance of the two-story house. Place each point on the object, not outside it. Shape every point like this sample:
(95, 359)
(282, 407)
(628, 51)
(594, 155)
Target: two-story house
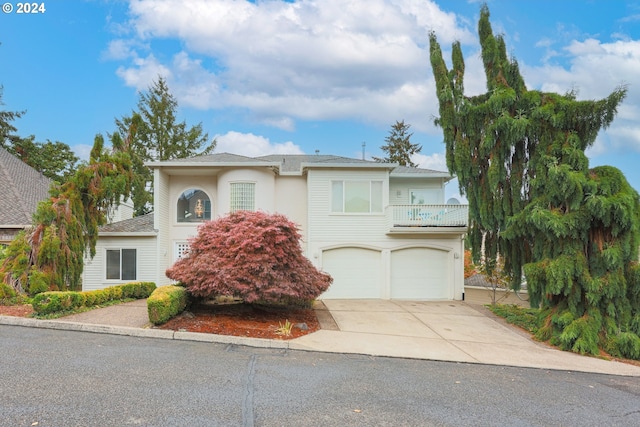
(381, 230)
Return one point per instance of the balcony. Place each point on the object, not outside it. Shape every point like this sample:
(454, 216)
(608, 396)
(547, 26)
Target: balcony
(443, 219)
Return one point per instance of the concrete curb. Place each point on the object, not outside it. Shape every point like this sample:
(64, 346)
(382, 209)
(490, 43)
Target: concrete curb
(142, 332)
(454, 349)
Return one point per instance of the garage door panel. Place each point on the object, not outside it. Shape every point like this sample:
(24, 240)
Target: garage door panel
(356, 272)
(419, 273)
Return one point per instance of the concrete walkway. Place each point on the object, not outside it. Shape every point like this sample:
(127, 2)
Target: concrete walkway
(445, 330)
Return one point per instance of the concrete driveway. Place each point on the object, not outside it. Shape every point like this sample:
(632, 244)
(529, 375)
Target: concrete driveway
(442, 330)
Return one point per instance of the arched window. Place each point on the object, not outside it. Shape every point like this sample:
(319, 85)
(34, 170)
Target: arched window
(193, 206)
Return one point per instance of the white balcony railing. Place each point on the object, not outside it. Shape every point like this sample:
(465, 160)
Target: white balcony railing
(428, 215)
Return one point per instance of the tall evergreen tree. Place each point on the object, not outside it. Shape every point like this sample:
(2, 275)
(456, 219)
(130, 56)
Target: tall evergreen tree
(399, 148)
(55, 160)
(7, 128)
(159, 137)
(50, 255)
(519, 157)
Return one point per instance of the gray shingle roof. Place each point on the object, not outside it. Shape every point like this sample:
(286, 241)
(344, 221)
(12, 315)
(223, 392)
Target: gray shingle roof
(138, 224)
(216, 158)
(409, 171)
(21, 189)
(293, 163)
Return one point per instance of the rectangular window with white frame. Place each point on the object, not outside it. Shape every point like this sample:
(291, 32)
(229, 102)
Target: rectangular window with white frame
(356, 196)
(243, 196)
(122, 264)
(423, 196)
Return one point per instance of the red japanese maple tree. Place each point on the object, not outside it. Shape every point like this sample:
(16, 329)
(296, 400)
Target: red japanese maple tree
(250, 255)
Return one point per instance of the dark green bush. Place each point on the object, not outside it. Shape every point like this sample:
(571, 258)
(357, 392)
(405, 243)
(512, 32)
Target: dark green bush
(627, 345)
(166, 302)
(51, 302)
(7, 293)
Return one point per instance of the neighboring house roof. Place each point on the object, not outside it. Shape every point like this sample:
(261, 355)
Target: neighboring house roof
(137, 226)
(21, 189)
(477, 280)
(294, 164)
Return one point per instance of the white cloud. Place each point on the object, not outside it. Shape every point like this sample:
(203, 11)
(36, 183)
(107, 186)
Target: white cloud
(436, 161)
(83, 151)
(280, 62)
(286, 61)
(121, 49)
(144, 72)
(248, 144)
(595, 69)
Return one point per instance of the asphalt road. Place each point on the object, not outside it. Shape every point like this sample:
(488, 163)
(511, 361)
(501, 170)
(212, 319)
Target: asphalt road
(63, 378)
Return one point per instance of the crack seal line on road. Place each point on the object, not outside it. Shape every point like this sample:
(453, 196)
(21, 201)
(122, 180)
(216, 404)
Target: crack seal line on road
(247, 402)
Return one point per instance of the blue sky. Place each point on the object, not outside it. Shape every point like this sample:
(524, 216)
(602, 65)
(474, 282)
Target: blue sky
(298, 76)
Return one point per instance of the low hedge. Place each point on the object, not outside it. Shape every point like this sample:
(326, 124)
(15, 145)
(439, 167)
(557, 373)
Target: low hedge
(51, 302)
(166, 302)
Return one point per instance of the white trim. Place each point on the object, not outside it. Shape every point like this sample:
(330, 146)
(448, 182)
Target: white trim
(128, 234)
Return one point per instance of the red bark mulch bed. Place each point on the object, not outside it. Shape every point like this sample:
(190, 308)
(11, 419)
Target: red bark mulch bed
(244, 320)
(16, 310)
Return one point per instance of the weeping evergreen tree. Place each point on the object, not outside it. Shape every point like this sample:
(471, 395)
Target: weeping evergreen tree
(573, 231)
(49, 255)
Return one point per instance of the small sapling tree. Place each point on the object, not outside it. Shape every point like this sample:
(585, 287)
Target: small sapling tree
(254, 256)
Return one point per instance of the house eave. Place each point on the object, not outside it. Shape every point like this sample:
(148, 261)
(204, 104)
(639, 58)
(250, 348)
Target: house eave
(371, 165)
(446, 177)
(171, 164)
(128, 234)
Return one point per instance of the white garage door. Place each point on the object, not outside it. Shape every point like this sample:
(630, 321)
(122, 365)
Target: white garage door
(420, 274)
(356, 273)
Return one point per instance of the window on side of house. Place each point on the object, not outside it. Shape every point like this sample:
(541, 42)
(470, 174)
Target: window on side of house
(243, 196)
(423, 196)
(356, 196)
(122, 264)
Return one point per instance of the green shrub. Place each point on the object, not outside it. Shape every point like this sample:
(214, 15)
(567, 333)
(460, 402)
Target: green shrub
(129, 290)
(55, 301)
(7, 293)
(51, 302)
(166, 302)
(89, 298)
(628, 345)
(526, 318)
(115, 293)
(101, 296)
